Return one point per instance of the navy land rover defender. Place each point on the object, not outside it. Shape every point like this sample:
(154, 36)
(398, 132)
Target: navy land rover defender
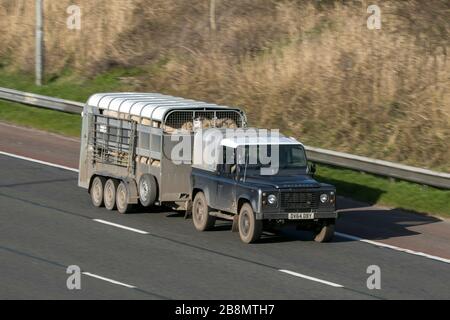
(235, 188)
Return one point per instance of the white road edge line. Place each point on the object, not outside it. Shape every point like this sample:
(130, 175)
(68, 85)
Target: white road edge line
(343, 235)
(37, 161)
(109, 280)
(388, 246)
(120, 226)
(296, 274)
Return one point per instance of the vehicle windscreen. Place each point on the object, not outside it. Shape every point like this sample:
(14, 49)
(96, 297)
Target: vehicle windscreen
(286, 157)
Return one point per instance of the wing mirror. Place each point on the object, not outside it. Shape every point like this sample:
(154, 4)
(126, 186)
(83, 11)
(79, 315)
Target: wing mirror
(312, 169)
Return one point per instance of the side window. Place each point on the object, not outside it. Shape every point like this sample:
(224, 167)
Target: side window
(144, 140)
(229, 161)
(155, 142)
(229, 156)
(298, 157)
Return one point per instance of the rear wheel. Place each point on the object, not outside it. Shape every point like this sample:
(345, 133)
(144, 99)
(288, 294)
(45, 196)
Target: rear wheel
(96, 191)
(325, 233)
(122, 199)
(110, 194)
(200, 213)
(250, 229)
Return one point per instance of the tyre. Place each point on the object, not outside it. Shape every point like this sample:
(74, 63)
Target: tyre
(324, 233)
(122, 199)
(200, 213)
(96, 191)
(250, 229)
(109, 194)
(148, 190)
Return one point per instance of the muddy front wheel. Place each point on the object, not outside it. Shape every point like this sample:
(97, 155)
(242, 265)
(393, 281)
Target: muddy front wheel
(200, 213)
(250, 229)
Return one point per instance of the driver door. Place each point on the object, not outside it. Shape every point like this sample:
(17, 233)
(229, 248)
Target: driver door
(226, 183)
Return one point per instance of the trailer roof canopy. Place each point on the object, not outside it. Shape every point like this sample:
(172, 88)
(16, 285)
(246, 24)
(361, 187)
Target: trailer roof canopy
(153, 106)
(251, 141)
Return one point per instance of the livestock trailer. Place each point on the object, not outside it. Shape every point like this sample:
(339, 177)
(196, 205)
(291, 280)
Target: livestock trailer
(127, 142)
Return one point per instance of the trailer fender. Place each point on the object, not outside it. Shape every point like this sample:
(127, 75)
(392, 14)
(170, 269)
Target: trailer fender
(133, 195)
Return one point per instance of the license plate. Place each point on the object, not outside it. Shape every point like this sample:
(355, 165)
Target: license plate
(103, 128)
(301, 216)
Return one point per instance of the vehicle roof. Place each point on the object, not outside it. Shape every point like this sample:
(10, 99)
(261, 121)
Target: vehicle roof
(247, 141)
(153, 106)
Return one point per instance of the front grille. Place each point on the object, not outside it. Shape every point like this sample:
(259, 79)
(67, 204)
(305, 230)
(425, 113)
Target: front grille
(299, 200)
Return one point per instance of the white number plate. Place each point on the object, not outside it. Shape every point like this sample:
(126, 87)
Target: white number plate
(301, 216)
(103, 128)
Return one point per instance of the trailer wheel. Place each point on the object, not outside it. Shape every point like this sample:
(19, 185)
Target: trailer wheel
(250, 229)
(96, 191)
(148, 189)
(200, 213)
(109, 194)
(325, 233)
(122, 198)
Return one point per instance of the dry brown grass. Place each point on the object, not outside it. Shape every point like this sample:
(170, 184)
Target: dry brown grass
(102, 22)
(314, 71)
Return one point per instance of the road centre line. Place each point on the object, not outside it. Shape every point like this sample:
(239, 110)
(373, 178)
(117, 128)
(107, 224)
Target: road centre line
(120, 226)
(108, 280)
(303, 276)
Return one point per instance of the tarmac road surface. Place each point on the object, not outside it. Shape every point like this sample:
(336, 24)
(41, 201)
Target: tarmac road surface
(48, 223)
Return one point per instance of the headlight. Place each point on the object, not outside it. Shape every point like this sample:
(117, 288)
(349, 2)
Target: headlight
(271, 199)
(323, 197)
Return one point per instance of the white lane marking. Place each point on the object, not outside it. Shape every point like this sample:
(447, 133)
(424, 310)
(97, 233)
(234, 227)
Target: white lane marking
(375, 243)
(37, 161)
(120, 226)
(388, 246)
(108, 280)
(296, 274)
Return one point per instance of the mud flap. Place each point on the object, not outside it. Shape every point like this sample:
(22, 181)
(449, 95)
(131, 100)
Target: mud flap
(133, 196)
(235, 226)
(188, 212)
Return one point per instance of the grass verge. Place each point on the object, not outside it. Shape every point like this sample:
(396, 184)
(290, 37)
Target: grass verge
(67, 86)
(384, 191)
(70, 86)
(43, 119)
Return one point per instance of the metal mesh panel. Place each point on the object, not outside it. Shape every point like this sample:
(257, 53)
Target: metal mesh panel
(225, 117)
(112, 140)
(187, 120)
(178, 119)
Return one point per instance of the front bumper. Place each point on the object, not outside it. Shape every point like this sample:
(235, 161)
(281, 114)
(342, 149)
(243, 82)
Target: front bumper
(285, 215)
